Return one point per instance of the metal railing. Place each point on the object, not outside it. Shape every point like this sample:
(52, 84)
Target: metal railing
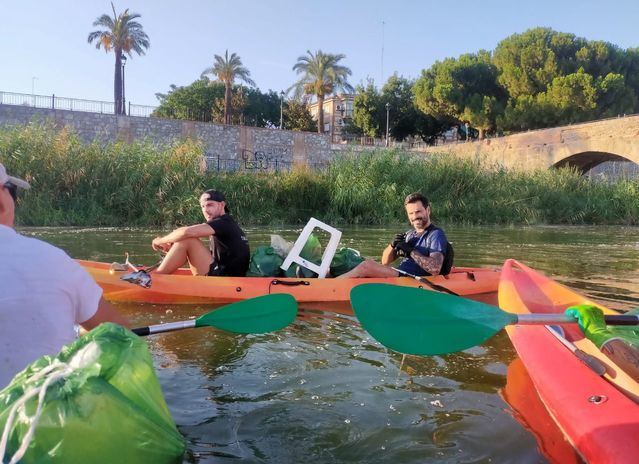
(54, 102)
(346, 139)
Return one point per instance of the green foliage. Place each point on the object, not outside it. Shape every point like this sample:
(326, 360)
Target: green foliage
(462, 89)
(529, 62)
(297, 117)
(203, 100)
(573, 96)
(405, 120)
(191, 102)
(614, 96)
(528, 112)
(142, 184)
(540, 78)
(255, 108)
(368, 110)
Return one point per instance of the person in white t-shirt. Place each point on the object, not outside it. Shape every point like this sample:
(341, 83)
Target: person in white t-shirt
(43, 293)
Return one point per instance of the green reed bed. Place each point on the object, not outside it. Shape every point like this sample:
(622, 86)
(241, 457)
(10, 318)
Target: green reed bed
(142, 184)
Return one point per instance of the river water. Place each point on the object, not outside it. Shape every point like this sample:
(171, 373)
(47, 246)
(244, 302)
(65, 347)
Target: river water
(323, 391)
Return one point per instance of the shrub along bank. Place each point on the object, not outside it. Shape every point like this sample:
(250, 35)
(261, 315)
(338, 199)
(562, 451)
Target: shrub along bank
(142, 184)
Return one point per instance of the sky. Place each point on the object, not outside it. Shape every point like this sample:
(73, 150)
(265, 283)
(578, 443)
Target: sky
(44, 48)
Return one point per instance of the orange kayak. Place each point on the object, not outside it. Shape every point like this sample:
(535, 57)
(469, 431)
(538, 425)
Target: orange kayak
(597, 414)
(333, 294)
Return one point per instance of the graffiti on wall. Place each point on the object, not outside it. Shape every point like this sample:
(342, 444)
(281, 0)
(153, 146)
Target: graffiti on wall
(271, 158)
(267, 159)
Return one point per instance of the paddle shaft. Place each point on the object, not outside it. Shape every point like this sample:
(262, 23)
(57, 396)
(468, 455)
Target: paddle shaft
(546, 319)
(423, 280)
(261, 314)
(589, 360)
(168, 327)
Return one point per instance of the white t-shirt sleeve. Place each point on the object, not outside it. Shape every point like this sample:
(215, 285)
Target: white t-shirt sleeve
(85, 294)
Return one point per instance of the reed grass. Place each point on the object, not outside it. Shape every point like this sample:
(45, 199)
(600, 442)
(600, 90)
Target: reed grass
(144, 184)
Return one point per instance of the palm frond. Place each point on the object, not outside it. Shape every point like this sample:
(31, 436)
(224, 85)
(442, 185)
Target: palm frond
(229, 68)
(120, 33)
(320, 74)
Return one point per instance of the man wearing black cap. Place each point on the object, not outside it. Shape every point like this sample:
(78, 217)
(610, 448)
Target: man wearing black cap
(229, 253)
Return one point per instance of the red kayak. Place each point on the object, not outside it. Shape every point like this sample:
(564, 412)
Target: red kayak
(598, 415)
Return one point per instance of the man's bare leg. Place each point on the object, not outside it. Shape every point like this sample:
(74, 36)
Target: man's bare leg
(191, 250)
(370, 268)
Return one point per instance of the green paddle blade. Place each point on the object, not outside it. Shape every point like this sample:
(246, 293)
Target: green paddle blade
(257, 315)
(416, 321)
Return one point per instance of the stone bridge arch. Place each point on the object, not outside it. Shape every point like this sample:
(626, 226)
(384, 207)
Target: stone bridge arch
(585, 161)
(583, 146)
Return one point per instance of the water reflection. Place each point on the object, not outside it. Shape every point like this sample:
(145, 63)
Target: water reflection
(323, 391)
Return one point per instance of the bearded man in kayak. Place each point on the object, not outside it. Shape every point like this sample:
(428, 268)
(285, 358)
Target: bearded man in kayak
(229, 253)
(423, 248)
(43, 293)
(621, 344)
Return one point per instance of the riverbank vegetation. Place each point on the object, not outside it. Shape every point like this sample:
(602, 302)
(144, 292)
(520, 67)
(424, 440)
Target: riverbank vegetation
(141, 184)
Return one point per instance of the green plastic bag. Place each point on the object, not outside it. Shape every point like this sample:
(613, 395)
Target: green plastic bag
(103, 404)
(312, 251)
(344, 260)
(265, 262)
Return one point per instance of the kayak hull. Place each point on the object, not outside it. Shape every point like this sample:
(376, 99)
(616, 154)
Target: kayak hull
(599, 416)
(184, 288)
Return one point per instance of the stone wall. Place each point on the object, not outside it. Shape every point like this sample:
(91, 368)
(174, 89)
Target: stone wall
(226, 147)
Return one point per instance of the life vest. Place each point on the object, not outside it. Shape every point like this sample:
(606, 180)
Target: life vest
(449, 253)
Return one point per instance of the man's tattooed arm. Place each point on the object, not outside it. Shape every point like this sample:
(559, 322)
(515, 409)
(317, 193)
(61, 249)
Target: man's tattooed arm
(431, 264)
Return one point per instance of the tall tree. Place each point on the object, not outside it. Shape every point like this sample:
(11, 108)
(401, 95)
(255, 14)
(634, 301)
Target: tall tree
(122, 34)
(529, 62)
(368, 112)
(321, 76)
(463, 89)
(405, 120)
(614, 97)
(227, 69)
(203, 100)
(297, 117)
(192, 102)
(574, 97)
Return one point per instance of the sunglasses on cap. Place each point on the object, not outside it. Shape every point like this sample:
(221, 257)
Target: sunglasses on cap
(12, 189)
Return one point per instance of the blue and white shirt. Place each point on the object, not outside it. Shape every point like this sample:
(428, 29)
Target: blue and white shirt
(432, 240)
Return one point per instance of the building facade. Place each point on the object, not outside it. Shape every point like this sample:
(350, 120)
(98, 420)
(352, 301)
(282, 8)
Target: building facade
(337, 109)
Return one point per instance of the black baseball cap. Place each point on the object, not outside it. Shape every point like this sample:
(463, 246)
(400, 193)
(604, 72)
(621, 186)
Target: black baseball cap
(215, 195)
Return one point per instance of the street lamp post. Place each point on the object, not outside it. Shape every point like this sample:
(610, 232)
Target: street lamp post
(387, 114)
(123, 61)
(282, 109)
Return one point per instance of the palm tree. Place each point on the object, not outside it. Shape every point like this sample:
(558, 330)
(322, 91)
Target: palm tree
(227, 69)
(122, 34)
(322, 75)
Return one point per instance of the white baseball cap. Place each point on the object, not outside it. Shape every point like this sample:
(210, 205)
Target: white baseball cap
(6, 178)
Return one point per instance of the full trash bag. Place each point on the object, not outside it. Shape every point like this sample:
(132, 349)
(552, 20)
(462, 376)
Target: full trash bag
(344, 260)
(265, 262)
(102, 404)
